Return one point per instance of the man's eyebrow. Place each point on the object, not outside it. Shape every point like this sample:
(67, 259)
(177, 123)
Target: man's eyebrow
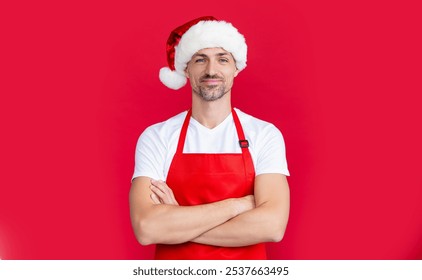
(218, 54)
(200, 54)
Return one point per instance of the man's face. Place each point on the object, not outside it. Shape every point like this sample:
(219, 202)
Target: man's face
(211, 72)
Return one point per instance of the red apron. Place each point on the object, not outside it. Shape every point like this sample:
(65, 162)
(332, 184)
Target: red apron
(205, 178)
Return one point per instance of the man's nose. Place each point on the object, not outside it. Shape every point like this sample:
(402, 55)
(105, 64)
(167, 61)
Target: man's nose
(211, 68)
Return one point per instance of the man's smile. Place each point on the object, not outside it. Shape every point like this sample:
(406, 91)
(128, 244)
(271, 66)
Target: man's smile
(211, 81)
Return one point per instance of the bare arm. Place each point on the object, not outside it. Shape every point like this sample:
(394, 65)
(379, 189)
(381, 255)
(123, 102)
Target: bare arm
(265, 223)
(165, 222)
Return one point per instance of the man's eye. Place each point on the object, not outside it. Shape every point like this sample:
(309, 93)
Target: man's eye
(224, 60)
(200, 60)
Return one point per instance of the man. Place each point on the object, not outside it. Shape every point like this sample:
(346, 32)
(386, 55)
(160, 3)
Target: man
(209, 183)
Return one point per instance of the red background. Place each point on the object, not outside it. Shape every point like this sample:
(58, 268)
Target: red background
(342, 81)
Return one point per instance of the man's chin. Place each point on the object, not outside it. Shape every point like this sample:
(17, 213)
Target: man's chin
(211, 96)
(211, 93)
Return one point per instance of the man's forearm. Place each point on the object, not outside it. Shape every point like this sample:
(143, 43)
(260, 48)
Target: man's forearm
(252, 227)
(264, 223)
(171, 224)
(158, 219)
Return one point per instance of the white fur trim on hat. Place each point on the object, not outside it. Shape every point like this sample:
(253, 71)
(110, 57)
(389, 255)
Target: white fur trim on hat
(172, 79)
(205, 32)
(210, 34)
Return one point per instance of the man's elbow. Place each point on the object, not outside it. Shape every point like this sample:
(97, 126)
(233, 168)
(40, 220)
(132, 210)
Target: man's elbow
(278, 226)
(144, 240)
(143, 233)
(275, 231)
(277, 235)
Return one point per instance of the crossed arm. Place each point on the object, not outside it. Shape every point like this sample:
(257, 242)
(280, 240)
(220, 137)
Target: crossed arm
(158, 219)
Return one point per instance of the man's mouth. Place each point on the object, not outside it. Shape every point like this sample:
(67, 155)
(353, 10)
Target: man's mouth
(211, 81)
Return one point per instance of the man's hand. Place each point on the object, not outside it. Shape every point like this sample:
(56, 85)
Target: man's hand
(245, 204)
(158, 219)
(265, 223)
(161, 193)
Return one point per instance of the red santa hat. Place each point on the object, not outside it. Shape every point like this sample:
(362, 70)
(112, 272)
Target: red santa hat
(200, 33)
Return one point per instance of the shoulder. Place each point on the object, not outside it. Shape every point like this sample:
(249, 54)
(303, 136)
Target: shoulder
(166, 128)
(161, 135)
(262, 135)
(267, 145)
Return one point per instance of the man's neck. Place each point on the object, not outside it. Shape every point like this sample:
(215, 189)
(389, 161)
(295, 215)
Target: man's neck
(211, 113)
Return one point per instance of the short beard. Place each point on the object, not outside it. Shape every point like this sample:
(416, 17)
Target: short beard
(211, 93)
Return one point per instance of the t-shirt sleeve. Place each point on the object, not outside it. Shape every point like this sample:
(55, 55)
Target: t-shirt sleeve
(150, 155)
(271, 153)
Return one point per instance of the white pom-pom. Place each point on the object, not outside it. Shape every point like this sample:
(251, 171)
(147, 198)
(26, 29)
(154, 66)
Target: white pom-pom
(172, 79)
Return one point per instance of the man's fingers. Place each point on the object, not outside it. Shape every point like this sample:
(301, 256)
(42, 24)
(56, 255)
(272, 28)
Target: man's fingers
(160, 185)
(163, 187)
(157, 191)
(164, 197)
(155, 199)
(163, 192)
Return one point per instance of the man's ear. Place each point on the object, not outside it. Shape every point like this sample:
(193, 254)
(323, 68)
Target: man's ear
(186, 73)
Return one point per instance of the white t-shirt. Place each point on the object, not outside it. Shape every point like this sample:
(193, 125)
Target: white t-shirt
(157, 144)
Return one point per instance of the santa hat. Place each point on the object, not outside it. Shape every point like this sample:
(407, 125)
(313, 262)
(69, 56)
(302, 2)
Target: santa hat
(200, 33)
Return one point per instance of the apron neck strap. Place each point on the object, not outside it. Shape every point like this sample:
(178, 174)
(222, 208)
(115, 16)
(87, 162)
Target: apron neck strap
(240, 134)
(182, 136)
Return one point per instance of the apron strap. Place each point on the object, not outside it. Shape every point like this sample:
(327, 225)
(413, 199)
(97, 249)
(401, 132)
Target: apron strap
(244, 144)
(182, 136)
